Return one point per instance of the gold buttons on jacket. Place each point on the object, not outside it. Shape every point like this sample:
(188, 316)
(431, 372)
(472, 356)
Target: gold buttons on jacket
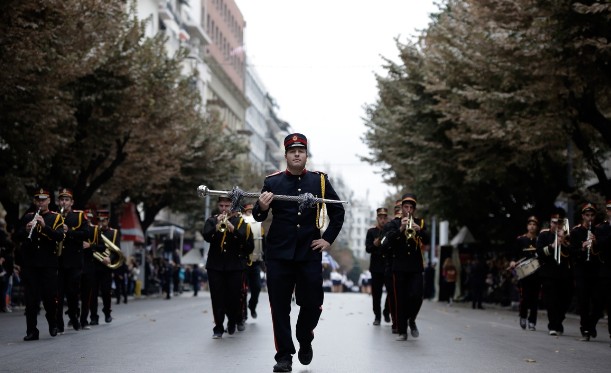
(299, 189)
(298, 226)
(299, 213)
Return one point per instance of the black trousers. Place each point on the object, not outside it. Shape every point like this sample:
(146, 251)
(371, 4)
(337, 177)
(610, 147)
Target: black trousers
(409, 293)
(69, 284)
(586, 285)
(225, 294)
(102, 286)
(557, 295)
(603, 295)
(253, 276)
(305, 278)
(391, 302)
(87, 283)
(530, 287)
(377, 289)
(40, 284)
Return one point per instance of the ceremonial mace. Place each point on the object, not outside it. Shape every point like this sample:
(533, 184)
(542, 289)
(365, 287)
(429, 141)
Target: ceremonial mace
(306, 200)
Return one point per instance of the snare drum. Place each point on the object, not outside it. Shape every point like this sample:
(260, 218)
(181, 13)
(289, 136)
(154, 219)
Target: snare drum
(527, 267)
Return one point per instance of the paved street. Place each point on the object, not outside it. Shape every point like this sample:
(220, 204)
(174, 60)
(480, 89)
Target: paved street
(158, 335)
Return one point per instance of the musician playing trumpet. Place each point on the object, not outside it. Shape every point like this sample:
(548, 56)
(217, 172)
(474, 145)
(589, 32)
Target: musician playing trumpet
(39, 262)
(405, 238)
(231, 242)
(555, 272)
(585, 270)
(71, 259)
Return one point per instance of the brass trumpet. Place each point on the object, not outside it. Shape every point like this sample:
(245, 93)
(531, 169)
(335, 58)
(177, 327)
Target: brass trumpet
(222, 225)
(60, 245)
(108, 251)
(410, 232)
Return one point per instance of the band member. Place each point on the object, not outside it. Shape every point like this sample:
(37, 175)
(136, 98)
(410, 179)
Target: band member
(103, 274)
(255, 262)
(293, 249)
(530, 286)
(231, 242)
(70, 260)
(391, 302)
(377, 264)
(406, 238)
(585, 270)
(555, 273)
(40, 234)
(603, 243)
(89, 266)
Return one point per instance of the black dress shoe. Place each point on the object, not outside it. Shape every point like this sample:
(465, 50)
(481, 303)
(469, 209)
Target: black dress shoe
(108, 318)
(230, 329)
(53, 331)
(305, 354)
(31, 337)
(76, 324)
(253, 313)
(386, 316)
(283, 366)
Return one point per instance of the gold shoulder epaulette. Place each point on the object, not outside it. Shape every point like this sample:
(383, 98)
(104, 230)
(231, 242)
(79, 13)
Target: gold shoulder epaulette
(319, 172)
(274, 174)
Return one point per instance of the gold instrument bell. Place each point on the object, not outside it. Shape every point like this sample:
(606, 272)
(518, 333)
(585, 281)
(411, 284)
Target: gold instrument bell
(107, 253)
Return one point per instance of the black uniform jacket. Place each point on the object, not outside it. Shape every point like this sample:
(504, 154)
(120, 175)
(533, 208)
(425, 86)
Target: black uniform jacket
(579, 234)
(78, 231)
(545, 252)
(292, 231)
(377, 263)
(407, 254)
(40, 250)
(603, 247)
(228, 251)
(525, 247)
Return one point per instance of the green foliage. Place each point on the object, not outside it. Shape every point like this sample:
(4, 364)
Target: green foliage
(485, 112)
(89, 102)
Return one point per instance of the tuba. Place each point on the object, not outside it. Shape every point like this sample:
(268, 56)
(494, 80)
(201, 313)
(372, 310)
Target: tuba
(108, 251)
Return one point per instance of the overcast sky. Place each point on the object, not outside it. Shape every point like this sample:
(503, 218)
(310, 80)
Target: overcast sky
(317, 59)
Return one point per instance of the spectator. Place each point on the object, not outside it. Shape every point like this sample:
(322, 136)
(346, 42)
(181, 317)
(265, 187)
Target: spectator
(449, 275)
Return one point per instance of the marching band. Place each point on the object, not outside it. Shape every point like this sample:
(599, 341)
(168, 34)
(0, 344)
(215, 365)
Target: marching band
(67, 257)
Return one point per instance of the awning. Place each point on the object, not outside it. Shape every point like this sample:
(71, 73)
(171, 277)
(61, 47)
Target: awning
(131, 230)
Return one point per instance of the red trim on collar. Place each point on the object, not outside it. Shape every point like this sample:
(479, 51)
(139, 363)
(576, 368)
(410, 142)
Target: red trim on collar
(289, 172)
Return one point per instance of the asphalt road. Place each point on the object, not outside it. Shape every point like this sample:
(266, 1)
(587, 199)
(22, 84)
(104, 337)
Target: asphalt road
(158, 335)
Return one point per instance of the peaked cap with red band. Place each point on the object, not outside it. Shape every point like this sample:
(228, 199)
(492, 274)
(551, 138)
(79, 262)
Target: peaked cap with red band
(42, 194)
(294, 140)
(65, 192)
